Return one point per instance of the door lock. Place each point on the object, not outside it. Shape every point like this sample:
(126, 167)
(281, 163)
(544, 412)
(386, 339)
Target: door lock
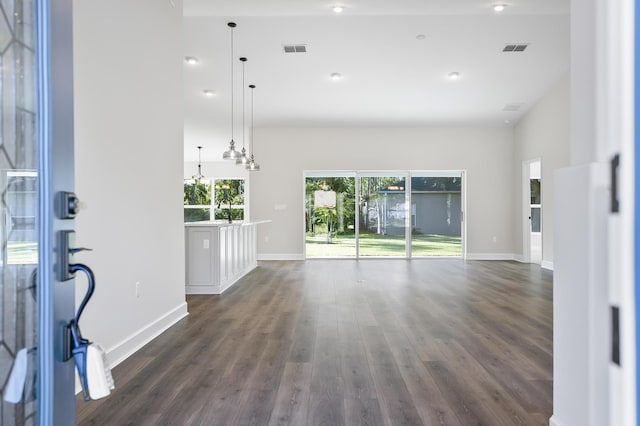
(67, 205)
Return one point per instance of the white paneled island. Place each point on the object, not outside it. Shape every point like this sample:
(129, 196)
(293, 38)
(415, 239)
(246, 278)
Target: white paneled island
(218, 254)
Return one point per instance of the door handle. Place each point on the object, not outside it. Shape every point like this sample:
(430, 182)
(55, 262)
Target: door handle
(66, 240)
(615, 166)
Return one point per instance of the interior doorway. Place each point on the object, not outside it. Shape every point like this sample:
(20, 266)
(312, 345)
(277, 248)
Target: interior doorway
(532, 209)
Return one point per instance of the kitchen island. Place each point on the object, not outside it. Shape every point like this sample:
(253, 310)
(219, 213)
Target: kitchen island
(218, 254)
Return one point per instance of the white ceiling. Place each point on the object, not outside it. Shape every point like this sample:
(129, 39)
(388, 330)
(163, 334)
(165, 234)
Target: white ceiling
(390, 78)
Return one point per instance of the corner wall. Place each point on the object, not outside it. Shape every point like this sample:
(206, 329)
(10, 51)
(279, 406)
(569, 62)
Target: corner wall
(542, 133)
(129, 165)
(485, 153)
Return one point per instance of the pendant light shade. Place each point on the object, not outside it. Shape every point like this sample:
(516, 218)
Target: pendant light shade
(231, 153)
(243, 154)
(252, 166)
(199, 178)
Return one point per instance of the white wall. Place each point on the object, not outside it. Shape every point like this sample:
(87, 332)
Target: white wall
(485, 153)
(129, 165)
(542, 133)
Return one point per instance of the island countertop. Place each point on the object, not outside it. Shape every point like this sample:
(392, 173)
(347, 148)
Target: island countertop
(225, 223)
(219, 253)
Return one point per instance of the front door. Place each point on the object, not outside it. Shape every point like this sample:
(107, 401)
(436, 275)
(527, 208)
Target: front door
(36, 162)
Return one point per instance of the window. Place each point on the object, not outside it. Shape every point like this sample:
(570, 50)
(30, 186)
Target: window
(197, 201)
(204, 201)
(229, 199)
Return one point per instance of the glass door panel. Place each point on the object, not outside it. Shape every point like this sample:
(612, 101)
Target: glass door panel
(436, 214)
(382, 214)
(19, 213)
(330, 216)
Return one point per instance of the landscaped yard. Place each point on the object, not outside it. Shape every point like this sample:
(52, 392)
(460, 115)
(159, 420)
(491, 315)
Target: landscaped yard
(383, 245)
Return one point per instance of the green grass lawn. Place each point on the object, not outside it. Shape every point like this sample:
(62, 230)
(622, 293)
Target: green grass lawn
(383, 245)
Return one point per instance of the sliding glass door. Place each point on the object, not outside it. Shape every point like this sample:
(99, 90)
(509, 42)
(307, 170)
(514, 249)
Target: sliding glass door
(384, 214)
(330, 215)
(382, 217)
(436, 214)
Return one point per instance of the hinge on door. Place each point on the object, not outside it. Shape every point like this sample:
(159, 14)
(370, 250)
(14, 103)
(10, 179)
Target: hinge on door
(615, 165)
(461, 216)
(615, 335)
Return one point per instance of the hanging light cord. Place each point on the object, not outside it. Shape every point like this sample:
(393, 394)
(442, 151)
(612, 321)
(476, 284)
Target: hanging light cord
(243, 61)
(232, 83)
(251, 139)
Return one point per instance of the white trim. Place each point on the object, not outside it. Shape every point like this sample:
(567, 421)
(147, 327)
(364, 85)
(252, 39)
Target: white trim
(519, 258)
(491, 256)
(280, 256)
(547, 265)
(137, 340)
(554, 422)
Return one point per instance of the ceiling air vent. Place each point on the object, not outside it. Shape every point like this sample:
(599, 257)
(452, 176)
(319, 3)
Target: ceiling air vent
(515, 47)
(295, 48)
(512, 107)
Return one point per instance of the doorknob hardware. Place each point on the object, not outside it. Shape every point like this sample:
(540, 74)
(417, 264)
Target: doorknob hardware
(79, 249)
(615, 166)
(66, 240)
(67, 205)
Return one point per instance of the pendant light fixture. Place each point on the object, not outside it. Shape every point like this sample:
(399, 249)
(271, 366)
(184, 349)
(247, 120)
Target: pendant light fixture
(199, 178)
(252, 166)
(243, 155)
(231, 154)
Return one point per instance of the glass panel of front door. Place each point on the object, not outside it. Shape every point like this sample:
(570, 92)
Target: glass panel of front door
(436, 206)
(18, 209)
(382, 215)
(330, 216)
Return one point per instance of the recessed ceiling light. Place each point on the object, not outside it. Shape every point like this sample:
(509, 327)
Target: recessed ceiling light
(336, 76)
(208, 92)
(499, 7)
(454, 75)
(338, 9)
(421, 37)
(507, 121)
(191, 60)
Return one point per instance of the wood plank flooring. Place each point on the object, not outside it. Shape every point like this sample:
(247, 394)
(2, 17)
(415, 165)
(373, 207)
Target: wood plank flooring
(342, 342)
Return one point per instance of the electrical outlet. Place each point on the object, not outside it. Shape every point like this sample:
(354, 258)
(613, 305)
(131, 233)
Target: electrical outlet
(266, 238)
(138, 289)
(495, 239)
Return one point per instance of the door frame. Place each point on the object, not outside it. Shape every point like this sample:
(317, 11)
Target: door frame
(56, 404)
(526, 209)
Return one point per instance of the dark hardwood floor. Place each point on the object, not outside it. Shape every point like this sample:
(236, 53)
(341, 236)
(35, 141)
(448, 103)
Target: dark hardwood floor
(333, 342)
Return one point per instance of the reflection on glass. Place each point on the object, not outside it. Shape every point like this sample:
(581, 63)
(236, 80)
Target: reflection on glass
(19, 202)
(382, 216)
(436, 206)
(535, 191)
(535, 219)
(330, 216)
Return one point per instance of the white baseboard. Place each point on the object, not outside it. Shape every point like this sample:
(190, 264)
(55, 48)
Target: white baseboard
(138, 339)
(518, 258)
(554, 422)
(280, 256)
(547, 265)
(490, 256)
